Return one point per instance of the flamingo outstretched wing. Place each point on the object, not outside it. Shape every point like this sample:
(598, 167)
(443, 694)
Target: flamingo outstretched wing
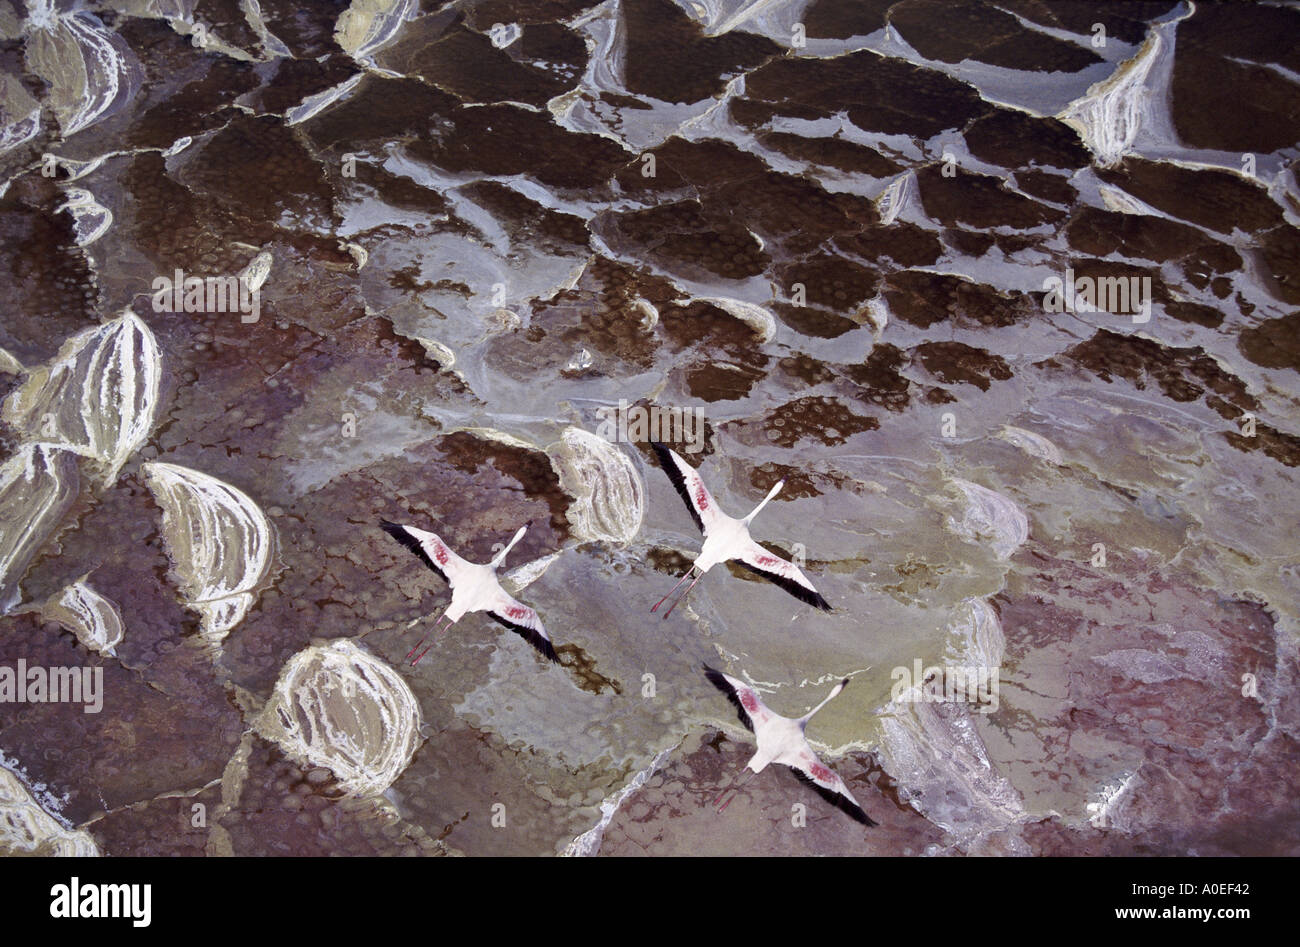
(431, 550)
(699, 502)
(522, 620)
(828, 784)
(785, 574)
(749, 708)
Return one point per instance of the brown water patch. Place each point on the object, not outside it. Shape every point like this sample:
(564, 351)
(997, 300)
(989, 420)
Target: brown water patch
(295, 79)
(1279, 254)
(702, 322)
(1281, 446)
(699, 164)
(559, 233)
(813, 321)
(186, 93)
(531, 469)
(820, 418)
(1219, 200)
(953, 33)
(880, 377)
(258, 169)
(684, 239)
(226, 19)
(878, 94)
(904, 243)
(958, 363)
(714, 380)
(1274, 343)
(584, 670)
(830, 281)
(143, 743)
(923, 299)
(559, 47)
(176, 229)
(979, 200)
(843, 19)
(48, 285)
(162, 827)
(1127, 21)
(832, 153)
(467, 65)
(669, 58)
(1244, 107)
(602, 313)
(1099, 233)
(669, 561)
(308, 32)
(1014, 139)
(1049, 187)
(799, 481)
(507, 139)
(1183, 374)
(381, 110)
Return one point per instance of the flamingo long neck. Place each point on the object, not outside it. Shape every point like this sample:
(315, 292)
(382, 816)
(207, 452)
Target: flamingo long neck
(767, 499)
(829, 697)
(501, 556)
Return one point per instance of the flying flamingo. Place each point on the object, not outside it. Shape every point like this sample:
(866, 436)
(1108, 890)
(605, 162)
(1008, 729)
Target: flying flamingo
(474, 588)
(781, 740)
(727, 538)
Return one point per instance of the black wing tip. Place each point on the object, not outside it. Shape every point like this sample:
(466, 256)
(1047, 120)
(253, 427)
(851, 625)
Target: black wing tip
(721, 683)
(399, 532)
(678, 481)
(851, 809)
(807, 596)
(539, 641)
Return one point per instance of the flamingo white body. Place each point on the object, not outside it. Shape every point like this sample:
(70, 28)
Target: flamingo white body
(727, 538)
(781, 740)
(474, 587)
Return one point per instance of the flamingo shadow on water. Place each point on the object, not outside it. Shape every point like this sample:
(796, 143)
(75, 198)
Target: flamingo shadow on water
(474, 588)
(781, 740)
(727, 538)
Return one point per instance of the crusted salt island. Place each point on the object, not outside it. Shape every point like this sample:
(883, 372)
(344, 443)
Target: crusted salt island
(1035, 445)
(20, 114)
(90, 219)
(98, 397)
(94, 619)
(340, 707)
(609, 497)
(90, 70)
(367, 26)
(1109, 115)
(989, 516)
(37, 485)
(897, 195)
(975, 635)
(27, 829)
(219, 541)
(934, 750)
(259, 268)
